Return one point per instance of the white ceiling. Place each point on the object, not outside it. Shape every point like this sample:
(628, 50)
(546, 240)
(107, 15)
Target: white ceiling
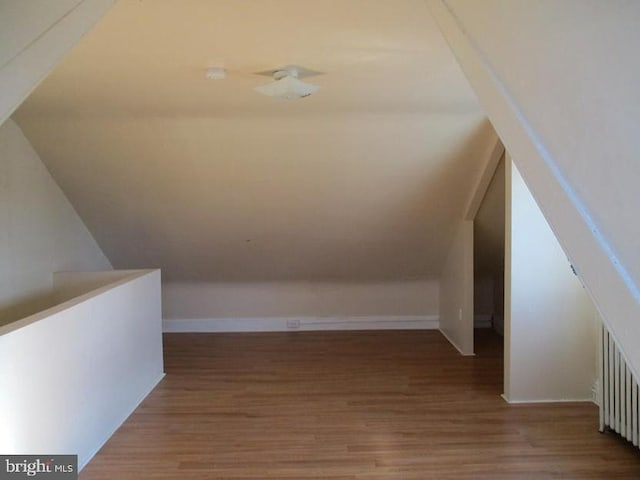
(211, 181)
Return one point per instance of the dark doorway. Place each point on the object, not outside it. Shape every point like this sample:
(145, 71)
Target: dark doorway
(488, 264)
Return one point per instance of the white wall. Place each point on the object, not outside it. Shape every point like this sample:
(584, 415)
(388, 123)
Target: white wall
(242, 306)
(40, 231)
(72, 374)
(550, 327)
(456, 290)
(559, 81)
(69, 285)
(34, 36)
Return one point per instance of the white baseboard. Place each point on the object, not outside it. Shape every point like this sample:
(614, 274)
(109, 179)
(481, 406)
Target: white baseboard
(547, 400)
(292, 324)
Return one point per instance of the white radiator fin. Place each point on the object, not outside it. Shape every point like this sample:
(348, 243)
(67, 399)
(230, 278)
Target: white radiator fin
(619, 392)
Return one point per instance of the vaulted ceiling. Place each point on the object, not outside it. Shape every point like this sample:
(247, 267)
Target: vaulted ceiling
(209, 180)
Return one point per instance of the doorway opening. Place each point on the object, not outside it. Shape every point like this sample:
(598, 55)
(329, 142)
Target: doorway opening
(526, 297)
(488, 267)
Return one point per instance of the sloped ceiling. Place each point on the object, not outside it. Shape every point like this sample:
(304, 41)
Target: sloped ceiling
(209, 180)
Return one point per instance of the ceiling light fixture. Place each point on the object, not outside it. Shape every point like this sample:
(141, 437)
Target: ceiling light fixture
(216, 73)
(287, 83)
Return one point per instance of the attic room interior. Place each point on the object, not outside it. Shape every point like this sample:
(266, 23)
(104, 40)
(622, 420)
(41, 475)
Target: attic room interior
(332, 239)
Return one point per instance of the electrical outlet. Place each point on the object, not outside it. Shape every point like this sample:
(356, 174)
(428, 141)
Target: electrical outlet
(293, 324)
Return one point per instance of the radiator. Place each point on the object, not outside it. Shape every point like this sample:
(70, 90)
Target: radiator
(618, 392)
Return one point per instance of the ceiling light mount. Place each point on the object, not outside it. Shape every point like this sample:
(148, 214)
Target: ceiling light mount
(288, 72)
(216, 73)
(287, 84)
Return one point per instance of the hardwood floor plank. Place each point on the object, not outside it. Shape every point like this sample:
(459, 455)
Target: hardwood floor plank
(350, 406)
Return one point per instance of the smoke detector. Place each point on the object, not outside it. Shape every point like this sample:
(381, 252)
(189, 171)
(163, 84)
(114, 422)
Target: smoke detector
(287, 84)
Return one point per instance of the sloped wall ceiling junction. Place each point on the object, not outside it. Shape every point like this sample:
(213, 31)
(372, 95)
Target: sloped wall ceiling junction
(212, 182)
(34, 36)
(559, 82)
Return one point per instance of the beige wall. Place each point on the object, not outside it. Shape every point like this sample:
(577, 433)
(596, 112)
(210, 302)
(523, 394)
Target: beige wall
(551, 329)
(40, 231)
(299, 299)
(456, 290)
(348, 197)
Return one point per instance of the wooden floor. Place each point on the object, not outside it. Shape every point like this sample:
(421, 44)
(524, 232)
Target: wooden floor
(350, 405)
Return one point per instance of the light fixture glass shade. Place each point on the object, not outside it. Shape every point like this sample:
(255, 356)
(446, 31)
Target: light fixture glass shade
(288, 88)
